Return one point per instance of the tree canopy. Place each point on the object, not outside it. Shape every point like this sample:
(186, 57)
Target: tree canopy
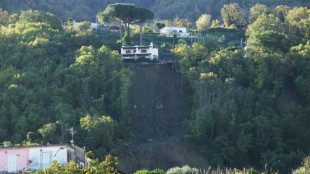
(252, 105)
(142, 15)
(230, 14)
(51, 78)
(85, 10)
(249, 107)
(203, 22)
(127, 14)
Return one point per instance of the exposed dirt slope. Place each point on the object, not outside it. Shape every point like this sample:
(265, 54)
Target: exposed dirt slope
(158, 111)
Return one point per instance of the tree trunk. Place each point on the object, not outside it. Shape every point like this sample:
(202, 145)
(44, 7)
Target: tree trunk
(126, 27)
(120, 32)
(140, 27)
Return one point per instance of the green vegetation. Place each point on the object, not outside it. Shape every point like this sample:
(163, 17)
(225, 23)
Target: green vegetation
(50, 82)
(231, 14)
(183, 170)
(94, 167)
(159, 26)
(203, 22)
(125, 14)
(249, 106)
(170, 9)
(156, 171)
(304, 168)
(252, 105)
(106, 167)
(82, 10)
(163, 9)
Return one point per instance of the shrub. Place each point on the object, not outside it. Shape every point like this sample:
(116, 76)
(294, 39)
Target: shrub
(156, 171)
(184, 170)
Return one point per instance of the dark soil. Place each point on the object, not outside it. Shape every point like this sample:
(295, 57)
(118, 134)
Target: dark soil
(158, 111)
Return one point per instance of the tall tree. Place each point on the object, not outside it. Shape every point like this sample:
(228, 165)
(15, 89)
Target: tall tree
(123, 13)
(159, 25)
(257, 10)
(112, 14)
(230, 14)
(120, 13)
(269, 33)
(182, 22)
(299, 22)
(4, 17)
(281, 11)
(203, 22)
(142, 15)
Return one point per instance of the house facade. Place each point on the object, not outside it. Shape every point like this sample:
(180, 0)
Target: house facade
(137, 52)
(14, 160)
(33, 158)
(179, 31)
(93, 26)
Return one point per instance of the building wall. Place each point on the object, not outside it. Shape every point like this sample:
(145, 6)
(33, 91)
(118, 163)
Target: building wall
(123, 50)
(168, 30)
(92, 25)
(80, 154)
(154, 52)
(138, 50)
(41, 157)
(21, 159)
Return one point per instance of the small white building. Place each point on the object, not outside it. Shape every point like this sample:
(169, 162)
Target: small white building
(93, 26)
(179, 31)
(41, 157)
(136, 52)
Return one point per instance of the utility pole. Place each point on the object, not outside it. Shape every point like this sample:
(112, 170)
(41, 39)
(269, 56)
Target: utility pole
(191, 40)
(72, 135)
(97, 24)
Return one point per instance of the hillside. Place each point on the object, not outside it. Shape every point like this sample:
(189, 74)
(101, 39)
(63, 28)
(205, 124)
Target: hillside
(163, 9)
(228, 103)
(158, 112)
(81, 10)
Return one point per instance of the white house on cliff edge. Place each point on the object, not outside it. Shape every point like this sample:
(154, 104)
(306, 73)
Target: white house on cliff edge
(136, 52)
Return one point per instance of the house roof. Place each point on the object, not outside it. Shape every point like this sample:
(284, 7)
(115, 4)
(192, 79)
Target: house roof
(138, 54)
(175, 27)
(131, 47)
(92, 25)
(40, 146)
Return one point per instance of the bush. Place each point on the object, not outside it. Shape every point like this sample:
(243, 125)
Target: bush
(283, 163)
(184, 170)
(156, 171)
(305, 167)
(252, 171)
(147, 29)
(127, 39)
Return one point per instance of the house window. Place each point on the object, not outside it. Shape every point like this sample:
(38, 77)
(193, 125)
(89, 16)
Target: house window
(143, 51)
(180, 31)
(128, 51)
(12, 163)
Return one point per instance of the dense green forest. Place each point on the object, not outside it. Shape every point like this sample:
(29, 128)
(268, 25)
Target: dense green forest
(253, 105)
(81, 10)
(53, 79)
(249, 105)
